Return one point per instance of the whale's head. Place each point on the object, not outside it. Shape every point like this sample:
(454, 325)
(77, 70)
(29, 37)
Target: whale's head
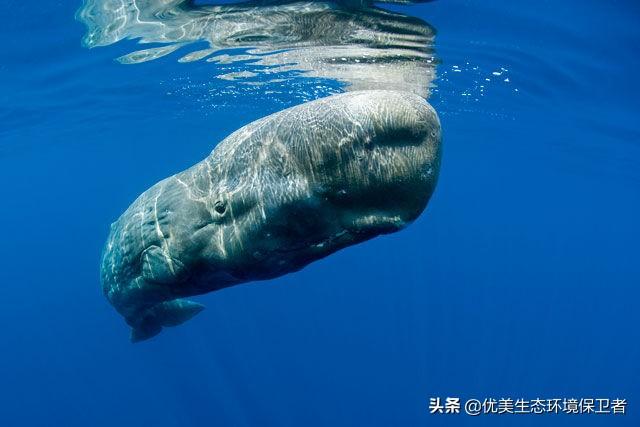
(272, 197)
(305, 182)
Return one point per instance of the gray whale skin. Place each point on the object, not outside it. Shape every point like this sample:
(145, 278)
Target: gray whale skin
(272, 197)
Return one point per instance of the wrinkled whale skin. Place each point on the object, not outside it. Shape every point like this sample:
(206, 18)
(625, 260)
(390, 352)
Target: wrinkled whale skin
(272, 197)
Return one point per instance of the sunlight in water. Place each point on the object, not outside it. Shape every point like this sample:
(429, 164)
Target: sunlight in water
(359, 45)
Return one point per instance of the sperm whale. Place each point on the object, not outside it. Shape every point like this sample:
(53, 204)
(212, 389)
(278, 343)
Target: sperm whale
(272, 197)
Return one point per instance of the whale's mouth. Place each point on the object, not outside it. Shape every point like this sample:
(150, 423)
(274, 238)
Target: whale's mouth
(362, 228)
(314, 245)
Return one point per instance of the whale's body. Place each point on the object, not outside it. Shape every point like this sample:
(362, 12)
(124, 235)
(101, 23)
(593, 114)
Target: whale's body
(272, 197)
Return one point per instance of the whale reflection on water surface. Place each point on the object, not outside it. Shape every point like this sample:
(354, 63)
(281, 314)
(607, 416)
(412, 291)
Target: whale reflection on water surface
(356, 44)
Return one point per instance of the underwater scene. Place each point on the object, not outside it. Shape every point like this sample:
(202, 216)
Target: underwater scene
(320, 213)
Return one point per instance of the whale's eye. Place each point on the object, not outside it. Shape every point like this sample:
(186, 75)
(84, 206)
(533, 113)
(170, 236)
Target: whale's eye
(220, 207)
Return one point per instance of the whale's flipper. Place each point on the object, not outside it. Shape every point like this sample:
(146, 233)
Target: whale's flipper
(170, 313)
(176, 312)
(145, 331)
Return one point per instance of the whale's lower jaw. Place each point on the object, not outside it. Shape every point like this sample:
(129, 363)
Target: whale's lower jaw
(150, 319)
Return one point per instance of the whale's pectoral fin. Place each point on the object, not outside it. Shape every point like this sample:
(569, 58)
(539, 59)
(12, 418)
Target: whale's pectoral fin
(176, 312)
(144, 331)
(169, 313)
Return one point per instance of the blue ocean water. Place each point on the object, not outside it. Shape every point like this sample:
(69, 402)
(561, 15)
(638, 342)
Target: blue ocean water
(519, 281)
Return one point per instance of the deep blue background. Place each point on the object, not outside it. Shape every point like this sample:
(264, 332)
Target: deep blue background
(520, 280)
